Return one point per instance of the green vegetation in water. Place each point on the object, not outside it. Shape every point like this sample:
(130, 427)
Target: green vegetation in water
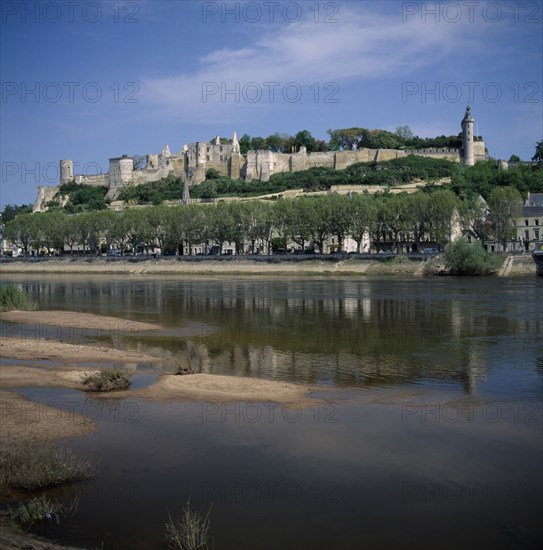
(107, 380)
(184, 367)
(190, 531)
(40, 509)
(463, 258)
(13, 297)
(32, 466)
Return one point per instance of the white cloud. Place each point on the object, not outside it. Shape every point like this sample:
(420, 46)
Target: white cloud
(363, 46)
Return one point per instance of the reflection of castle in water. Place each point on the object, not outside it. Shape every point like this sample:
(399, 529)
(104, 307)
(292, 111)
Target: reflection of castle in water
(348, 333)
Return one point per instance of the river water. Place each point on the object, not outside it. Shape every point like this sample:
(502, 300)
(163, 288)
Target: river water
(432, 436)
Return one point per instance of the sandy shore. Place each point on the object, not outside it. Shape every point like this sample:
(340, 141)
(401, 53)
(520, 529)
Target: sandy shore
(51, 350)
(61, 364)
(26, 421)
(224, 389)
(78, 320)
(193, 387)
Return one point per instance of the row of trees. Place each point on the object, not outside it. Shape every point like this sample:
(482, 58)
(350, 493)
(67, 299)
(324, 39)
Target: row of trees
(281, 143)
(388, 219)
(345, 139)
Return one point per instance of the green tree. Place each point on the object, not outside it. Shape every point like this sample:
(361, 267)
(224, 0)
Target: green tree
(463, 258)
(107, 220)
(339, 216)
(275, 142)
(120, 231)
(193, 223)
(298, 218)
(51, 226)
(418, 212)
(71, 231)
(473, 214)
(505, 207)
(221, 224)
(244, 144)
(258, 223)
(441, 207)
(158, 219)
(394, 218)
(320, 225)
(212, 174)
(90, 230)
(344, 138)
(404, 133)
(538, 155)
(361, 217)
(20, 231)
(208, 189)
(258, 143)
(11, 211)
(304, 139)
(138, 229)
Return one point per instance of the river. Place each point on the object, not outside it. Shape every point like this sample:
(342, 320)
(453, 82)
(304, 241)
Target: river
(431, 438)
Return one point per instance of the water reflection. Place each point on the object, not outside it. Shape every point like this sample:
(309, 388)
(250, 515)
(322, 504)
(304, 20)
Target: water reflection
(331, 331)
(394, 457)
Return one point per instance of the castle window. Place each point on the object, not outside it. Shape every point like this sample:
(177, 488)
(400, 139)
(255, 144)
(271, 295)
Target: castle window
(526, 222)
(221, 148)
(536, 222)
(527, 235)
(536, 234)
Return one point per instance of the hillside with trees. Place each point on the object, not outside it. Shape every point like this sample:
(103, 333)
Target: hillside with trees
(465, 180)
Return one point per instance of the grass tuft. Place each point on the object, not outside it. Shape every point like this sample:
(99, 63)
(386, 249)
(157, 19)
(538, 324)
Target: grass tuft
(13, 297)
(190, 532)
(42, 509)
(32, 466)
(107, 380)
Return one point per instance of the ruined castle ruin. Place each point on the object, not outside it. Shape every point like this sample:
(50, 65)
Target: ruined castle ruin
(193, 161)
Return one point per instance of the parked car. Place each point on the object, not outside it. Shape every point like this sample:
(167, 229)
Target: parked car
(430, 251)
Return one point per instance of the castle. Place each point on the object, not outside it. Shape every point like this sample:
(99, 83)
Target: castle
(193, 161)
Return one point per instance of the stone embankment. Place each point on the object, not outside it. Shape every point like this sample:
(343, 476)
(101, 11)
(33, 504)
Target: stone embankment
(363, 264)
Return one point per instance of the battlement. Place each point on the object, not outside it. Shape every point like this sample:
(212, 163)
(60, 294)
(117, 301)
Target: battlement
(193, 161)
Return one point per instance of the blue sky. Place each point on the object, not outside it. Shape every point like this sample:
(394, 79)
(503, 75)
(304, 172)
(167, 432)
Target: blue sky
(92, 80)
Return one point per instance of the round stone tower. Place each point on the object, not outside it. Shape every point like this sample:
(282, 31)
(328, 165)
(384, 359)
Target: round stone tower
(126, 169)
(66, 171)
(468, 155)
(120, 171)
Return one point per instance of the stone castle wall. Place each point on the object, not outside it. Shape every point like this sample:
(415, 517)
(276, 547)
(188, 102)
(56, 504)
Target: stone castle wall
(192, 163)
(97, 180)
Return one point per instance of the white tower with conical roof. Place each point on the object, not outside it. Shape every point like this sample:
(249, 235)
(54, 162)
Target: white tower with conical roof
(468, 154)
